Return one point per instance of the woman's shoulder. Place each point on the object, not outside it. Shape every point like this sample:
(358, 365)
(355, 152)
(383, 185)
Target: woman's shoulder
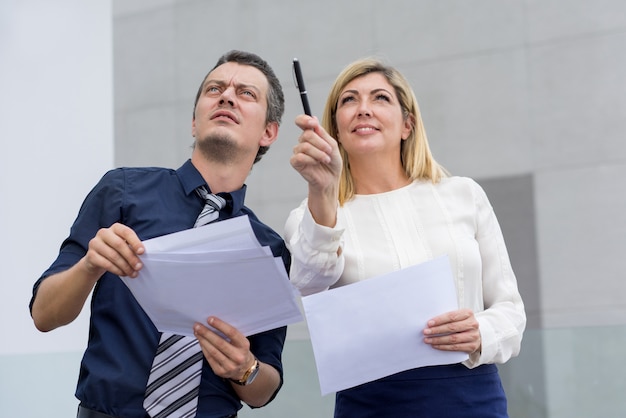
(458, 181)
(461, 187)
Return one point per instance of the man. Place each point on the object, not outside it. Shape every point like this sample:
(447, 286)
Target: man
(236, 117)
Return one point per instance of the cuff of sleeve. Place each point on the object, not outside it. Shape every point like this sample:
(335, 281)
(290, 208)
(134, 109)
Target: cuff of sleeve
(488, 348)
(323, 238)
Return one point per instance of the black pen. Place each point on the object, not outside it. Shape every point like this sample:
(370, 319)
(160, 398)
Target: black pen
(300, 84)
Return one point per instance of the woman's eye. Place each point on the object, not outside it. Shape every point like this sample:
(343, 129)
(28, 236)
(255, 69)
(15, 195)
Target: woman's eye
(382, 97)
(346, 99)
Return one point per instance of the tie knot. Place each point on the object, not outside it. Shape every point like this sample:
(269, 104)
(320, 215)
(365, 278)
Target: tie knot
(213, 204)
(217, 202)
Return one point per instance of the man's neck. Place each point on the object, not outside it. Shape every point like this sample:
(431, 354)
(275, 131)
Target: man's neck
(219, 176)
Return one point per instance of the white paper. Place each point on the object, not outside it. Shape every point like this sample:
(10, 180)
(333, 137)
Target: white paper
(372, 329)
(216, 270)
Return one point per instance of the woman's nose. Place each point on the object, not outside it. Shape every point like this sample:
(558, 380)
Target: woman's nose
(364, 109)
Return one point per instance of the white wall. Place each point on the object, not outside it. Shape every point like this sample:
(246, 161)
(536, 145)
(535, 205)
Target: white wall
(56, 128)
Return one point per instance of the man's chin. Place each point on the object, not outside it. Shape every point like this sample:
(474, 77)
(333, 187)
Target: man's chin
(218, 147)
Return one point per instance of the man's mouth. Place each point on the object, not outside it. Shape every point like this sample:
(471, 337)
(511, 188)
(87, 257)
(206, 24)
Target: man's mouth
(221, 114)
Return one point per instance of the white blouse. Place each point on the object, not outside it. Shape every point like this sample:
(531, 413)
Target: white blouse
(384, 232)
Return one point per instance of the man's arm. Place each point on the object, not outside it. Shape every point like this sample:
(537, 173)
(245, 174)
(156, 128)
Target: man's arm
(61, 297)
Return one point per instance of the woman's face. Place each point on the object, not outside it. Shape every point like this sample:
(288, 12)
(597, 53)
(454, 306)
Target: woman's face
(369, 117)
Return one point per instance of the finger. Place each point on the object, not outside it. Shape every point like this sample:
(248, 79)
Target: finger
(442, 323)
(213, 346)
(305, 122)
(307, 155)
(468, 342)
(451, 316)
(310, 125)
(225, 359)
(233, 335)
(125, 241)
(469, 347)
(129, 237)
(115, 249)
(318, 139)
(104, 257)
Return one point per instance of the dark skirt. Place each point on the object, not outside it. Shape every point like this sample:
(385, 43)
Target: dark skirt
(452, 391)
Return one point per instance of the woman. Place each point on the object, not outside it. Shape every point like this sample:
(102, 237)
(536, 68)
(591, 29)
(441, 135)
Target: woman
(378, 202)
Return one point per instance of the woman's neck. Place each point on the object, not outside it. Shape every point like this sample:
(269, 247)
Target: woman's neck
(374, 177)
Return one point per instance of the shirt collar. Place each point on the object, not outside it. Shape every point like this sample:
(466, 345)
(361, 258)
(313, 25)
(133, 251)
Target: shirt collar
(190, 178)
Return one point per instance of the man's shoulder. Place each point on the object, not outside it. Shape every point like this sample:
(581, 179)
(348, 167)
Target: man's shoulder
(146, 170)
(139, 172)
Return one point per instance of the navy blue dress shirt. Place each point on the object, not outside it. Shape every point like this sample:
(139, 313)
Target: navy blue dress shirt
(122, 339)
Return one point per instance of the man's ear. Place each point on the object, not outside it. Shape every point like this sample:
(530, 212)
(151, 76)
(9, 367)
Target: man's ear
(270, 135)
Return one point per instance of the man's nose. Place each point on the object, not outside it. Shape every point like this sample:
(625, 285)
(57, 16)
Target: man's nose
(228, 96)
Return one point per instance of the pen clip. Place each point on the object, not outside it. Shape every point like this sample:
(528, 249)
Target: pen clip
(293, 74)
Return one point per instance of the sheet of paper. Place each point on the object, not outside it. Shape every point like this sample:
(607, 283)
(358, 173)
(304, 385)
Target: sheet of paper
(219, 269)
(234, 233)
(373, 328)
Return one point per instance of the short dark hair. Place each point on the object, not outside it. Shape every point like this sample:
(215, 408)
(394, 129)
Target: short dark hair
(275, 97)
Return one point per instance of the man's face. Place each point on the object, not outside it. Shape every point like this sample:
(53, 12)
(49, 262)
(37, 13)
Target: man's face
(230, 116)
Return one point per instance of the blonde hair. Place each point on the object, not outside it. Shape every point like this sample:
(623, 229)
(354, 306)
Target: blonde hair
(415, 155)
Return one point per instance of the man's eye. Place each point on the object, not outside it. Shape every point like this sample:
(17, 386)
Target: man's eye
(212, 89)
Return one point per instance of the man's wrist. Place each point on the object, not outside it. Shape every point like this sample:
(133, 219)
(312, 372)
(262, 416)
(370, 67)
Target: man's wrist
(249, 376)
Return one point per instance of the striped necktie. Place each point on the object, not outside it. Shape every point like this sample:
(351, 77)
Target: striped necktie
(174, 380)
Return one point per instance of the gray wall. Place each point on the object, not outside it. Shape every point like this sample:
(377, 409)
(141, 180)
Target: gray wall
(528, 97)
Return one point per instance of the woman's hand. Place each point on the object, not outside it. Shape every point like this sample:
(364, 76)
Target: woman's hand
(316, 157)
(454, 331)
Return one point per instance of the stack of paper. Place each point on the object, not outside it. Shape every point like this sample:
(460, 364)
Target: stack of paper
(216, 270)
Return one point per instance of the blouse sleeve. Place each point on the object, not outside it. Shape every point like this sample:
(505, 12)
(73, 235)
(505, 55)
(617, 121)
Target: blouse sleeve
(503, 320)
(316, 262)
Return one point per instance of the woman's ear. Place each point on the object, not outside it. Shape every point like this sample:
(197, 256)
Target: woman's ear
(409, 124)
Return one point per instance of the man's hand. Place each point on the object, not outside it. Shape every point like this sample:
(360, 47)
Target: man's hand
(61, 297)
(229, 355)
(114, 249)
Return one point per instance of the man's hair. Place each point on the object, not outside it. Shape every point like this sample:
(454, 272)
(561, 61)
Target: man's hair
(275, 97)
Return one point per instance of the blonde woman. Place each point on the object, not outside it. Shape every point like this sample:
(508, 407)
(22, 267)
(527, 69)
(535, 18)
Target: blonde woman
(379, 202)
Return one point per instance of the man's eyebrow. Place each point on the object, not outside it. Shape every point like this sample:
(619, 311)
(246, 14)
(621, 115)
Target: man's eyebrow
(238, 86)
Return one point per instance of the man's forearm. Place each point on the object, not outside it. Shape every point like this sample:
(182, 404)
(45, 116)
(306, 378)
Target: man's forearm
(61, 297)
